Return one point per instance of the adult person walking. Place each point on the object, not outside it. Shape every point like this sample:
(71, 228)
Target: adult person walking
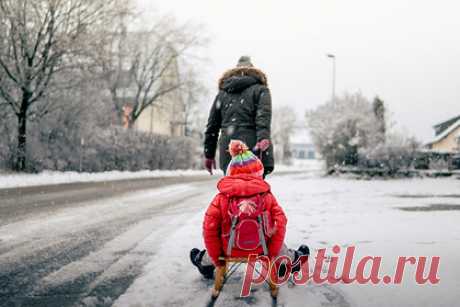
(242, 110)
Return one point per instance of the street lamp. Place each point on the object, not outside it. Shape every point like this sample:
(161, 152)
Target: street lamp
(331, 56)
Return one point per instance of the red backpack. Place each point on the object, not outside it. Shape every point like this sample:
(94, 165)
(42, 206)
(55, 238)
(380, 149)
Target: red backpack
(250, 224)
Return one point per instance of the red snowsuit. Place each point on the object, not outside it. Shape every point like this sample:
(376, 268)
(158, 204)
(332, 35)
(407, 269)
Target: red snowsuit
(217, 222)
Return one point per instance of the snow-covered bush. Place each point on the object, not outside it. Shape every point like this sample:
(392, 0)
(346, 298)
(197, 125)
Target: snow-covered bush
(7, 141)
(396, 153)
(116, 149)
(439, 164)
(79, 136)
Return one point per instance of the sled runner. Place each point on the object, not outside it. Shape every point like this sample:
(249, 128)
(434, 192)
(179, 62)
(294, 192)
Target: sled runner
(224, 272)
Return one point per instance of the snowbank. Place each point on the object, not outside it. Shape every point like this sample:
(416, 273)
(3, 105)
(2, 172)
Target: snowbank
(301, 165)
(12, 180)
(50, 178)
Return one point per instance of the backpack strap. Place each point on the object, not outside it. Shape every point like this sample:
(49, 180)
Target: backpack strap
(261, 221)
(262, 236)
(231, 241)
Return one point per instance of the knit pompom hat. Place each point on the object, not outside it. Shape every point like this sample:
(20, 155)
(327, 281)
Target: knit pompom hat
(245, 61)
(243, 160)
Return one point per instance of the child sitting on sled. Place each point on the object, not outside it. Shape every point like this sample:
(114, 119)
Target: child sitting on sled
(244, 218)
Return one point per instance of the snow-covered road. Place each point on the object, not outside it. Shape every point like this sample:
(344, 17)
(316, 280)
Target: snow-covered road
(132, 250)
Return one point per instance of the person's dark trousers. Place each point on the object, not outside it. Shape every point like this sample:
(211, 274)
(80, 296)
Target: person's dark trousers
(267, 171)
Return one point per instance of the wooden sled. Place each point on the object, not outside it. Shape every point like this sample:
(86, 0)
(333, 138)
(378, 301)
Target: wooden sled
(223, 273)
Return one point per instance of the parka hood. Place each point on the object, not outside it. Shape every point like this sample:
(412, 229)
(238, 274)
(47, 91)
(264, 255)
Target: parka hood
(237, 79)
(242, 185)
(237, 84)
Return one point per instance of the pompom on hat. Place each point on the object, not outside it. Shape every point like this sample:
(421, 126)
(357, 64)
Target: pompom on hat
(245, 61)
(243, 160)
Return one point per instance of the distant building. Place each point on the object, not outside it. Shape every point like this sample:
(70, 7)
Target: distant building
(167, 115)
(302, 146)
(447, 137)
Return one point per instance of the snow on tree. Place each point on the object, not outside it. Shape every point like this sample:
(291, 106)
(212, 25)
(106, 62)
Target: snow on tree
(61, 63)
(40, 40)
(352, 131)
(141, 67)
(341, 126)
(378, 107)
(397, 152)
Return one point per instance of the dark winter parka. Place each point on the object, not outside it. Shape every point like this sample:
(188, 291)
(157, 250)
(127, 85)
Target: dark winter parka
(242, 110)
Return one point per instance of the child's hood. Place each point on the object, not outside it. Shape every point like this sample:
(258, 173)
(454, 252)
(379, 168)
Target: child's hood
(242, 185)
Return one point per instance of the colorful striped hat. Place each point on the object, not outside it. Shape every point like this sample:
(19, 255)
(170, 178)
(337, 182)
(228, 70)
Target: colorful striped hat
(243, 160)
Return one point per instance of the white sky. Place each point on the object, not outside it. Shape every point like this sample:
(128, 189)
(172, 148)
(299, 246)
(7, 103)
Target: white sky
(406, 51)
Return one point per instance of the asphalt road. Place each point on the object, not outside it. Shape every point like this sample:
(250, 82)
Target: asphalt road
(18, 203)
(33, 244)
(82, 244)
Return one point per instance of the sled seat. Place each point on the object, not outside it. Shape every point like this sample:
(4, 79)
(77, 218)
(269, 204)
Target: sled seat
(222, 273)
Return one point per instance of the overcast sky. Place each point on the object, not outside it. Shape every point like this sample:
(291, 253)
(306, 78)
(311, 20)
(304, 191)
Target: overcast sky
(405, 51)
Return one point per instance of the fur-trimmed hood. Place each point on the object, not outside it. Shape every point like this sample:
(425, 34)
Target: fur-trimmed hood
(243, 72)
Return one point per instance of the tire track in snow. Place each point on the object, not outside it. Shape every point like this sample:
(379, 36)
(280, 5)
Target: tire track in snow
(23, 268)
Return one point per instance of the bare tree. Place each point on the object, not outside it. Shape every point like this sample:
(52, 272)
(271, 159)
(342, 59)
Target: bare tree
(38, 41)
(142, 67)
(155, 66)
(194, 94)
(112, 56)
(284, 120)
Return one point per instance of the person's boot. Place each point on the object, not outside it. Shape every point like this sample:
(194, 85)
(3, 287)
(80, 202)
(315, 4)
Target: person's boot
(196, 256)
(303, 250)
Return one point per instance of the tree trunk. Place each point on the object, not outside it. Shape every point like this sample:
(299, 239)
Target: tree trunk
(22, 134)
(118, 108)
(131, 121)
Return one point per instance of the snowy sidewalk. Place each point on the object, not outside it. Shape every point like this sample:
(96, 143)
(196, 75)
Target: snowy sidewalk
(53, 178)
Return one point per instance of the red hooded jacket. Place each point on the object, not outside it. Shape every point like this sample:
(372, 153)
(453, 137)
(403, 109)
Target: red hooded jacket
(218, 222)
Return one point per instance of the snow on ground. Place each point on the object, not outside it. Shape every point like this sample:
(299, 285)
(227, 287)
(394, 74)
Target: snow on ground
(365, 214)
(12, 180)
(68, 220)
(92, 246)
(50, 178)
(150, 234)
(323, 212)
(301, 165)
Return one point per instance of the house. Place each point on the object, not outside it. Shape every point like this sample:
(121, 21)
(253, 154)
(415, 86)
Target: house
(447, 137)
(301, 145)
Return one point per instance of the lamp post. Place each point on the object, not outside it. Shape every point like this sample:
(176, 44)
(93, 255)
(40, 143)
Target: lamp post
(331, 56)
(82, 145)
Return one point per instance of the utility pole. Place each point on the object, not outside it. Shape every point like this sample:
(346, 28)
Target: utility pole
(82, 145)
(331, 56)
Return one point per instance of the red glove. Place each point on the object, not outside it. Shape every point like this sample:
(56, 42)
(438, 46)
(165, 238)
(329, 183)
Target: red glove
(209, 164)
(262, 145)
